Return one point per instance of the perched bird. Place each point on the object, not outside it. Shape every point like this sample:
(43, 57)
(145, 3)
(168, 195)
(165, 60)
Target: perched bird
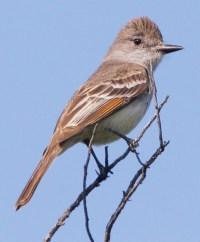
(116, 96)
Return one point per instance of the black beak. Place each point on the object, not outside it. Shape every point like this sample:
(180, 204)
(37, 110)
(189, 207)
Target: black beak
(165, 49)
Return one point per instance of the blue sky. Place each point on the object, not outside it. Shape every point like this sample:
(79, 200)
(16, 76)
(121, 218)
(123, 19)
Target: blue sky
(47, 49)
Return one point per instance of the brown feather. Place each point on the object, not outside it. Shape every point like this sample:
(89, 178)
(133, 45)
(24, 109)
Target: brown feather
(107, 91)
(38, 173)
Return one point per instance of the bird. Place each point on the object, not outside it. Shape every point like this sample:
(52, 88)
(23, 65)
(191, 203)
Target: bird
(115, 97)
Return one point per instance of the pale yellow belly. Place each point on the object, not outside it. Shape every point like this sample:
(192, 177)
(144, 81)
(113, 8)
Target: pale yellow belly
(122, 121)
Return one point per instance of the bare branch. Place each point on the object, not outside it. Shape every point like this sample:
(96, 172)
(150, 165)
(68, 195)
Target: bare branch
(134, 184)
(103, 175)
(158, 116)
(100, 178)
(141, 173)
(147, 126)
(84, 185)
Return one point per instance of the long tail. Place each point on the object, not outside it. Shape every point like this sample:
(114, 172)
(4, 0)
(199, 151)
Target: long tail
(37, 175)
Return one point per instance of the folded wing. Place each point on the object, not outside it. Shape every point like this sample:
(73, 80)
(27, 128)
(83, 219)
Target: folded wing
(108, 90)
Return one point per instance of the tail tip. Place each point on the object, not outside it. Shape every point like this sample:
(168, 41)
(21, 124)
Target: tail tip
(18, 205)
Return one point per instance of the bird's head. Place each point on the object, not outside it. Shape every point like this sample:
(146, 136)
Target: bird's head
(141, 42)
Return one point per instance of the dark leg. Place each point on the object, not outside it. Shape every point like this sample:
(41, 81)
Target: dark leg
(100, 166)
(131, 142)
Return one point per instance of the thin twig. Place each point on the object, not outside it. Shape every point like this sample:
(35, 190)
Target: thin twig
(138, 158)
(84, 185)
(100, 178)
(141, 173)
(158, 116)
(106, 156)
(152, 119)
(133, 142)
(134, 184)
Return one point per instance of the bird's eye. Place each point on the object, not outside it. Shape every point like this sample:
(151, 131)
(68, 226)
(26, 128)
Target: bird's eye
(137, 41)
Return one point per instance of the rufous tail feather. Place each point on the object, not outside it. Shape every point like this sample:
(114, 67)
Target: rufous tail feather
(37, 175)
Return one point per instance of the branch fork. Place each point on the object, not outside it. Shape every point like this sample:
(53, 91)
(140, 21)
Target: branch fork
(104, 170)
